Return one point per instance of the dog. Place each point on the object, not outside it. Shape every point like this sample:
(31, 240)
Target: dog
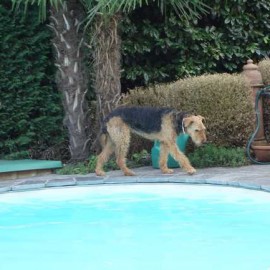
(163, 124)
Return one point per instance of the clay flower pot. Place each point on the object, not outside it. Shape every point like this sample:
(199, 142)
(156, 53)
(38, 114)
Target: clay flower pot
(261, 150)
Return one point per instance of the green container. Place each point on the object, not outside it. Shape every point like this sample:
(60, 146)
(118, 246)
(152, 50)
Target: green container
(181, 141)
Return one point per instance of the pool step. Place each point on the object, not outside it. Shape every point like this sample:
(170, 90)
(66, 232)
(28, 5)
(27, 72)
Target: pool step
(15, 169)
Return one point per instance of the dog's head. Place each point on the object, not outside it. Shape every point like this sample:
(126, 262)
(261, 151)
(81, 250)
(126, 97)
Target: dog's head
(194, 127)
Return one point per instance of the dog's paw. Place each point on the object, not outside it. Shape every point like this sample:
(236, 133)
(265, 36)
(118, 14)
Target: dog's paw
(191, 170)
(129, 173)
(167, 171)
(100, 173)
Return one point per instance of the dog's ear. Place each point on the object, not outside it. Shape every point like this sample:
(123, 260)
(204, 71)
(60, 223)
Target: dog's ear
(201, 117)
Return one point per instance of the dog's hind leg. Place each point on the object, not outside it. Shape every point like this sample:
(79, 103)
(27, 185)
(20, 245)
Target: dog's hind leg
(120, 135)
(105, 154)
(164, 152)
(181, 158)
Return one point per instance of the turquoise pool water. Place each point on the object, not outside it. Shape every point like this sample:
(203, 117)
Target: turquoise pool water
(135, 227)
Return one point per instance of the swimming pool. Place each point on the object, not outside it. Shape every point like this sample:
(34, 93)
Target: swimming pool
(135, 227)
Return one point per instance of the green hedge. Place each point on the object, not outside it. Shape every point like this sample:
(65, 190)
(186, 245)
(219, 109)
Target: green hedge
(30, 109)
(163, 49)
(224, 100)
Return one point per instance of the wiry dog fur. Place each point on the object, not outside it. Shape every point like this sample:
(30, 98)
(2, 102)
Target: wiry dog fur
(163, 124)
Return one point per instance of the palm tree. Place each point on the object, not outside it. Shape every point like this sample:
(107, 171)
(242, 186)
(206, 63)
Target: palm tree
(104, 17)
(71, 78)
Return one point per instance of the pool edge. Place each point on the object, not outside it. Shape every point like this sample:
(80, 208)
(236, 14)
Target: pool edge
(30, 185)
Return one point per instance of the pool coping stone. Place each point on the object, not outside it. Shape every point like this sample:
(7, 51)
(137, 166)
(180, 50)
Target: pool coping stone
(249, 177)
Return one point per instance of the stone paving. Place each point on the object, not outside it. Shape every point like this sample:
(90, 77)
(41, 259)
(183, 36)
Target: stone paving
(251, 177)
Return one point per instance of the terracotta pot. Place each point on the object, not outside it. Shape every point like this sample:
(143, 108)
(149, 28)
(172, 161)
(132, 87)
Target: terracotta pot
(261, 151)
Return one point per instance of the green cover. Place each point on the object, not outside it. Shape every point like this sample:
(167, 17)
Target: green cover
(28, 164)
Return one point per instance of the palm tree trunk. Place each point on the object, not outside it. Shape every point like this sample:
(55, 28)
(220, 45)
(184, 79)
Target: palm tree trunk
(71, 76)
(107, 56)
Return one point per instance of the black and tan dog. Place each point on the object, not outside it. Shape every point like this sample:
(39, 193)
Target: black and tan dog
(163, 124)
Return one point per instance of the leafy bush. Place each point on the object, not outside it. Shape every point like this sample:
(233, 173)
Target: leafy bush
(264, 68)
(137, 160)
(30, 109)
(159, 48)
(224, 100)
(213, 156)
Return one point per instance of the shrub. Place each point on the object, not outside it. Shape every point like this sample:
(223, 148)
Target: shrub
(136, 160)
(213, 156)
(264, 68)
(224, 100)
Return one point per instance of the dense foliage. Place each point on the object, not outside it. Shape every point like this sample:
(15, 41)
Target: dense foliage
(30, 109)
(155, 48)
(163, 49)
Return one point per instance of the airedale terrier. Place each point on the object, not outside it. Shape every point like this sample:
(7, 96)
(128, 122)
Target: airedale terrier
(163, 124)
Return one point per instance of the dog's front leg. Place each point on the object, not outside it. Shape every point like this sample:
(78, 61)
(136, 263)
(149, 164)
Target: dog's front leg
(163, 158)
(181, 158)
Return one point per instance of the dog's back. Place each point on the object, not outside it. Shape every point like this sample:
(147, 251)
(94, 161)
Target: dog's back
(142, 119)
